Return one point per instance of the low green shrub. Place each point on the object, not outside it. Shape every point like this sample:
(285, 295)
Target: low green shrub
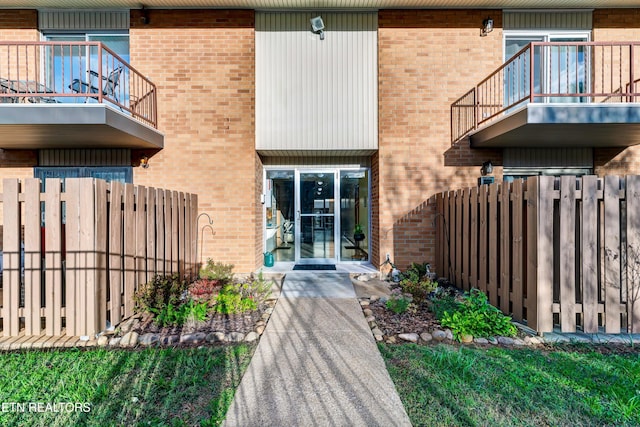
(419, 289)
(398, 301)
(476, 317)
(172, 315)
(231, 301)
(160, 292)
(255, 288)
(217, 271)
(447, 303)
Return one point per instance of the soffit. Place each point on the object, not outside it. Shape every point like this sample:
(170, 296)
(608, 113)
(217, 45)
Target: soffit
(316, 4)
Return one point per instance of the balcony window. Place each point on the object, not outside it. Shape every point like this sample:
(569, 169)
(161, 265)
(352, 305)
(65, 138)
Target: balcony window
(68, 63)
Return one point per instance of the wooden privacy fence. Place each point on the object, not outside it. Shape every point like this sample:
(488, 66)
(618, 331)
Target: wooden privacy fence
(549, 251)
(72, 259)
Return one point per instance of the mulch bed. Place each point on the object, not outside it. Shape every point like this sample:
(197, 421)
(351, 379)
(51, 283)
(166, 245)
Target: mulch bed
(418, 320)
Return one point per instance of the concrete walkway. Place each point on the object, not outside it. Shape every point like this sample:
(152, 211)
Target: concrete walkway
(317, 363)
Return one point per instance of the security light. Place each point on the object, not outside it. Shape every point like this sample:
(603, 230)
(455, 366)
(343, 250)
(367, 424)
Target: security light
(317, 25)
(487, 27)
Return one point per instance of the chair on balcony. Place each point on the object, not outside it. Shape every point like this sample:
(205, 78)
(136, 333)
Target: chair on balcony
(108, 87)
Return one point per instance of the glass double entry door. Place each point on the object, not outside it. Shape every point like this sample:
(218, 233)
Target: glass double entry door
(311, 215)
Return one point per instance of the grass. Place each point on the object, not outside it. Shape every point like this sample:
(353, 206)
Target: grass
(172, 386)
(445, 386)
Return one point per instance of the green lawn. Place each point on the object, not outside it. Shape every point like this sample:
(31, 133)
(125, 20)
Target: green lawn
(187, 386)
(448, 386)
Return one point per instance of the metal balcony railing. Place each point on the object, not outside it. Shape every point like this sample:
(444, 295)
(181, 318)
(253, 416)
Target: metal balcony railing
(74, 73)
(551, 72)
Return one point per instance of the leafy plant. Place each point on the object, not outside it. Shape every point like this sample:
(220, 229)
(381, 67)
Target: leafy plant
(255, 288)
(229, 301)
(217, 271)
(358, 229)
(447, 303)
(204, 289)
(398, 301)
(160, 292)
(178, 315)
(476, 317)
(419, 289)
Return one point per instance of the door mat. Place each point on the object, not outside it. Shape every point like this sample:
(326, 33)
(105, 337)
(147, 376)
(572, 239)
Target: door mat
(314, 267)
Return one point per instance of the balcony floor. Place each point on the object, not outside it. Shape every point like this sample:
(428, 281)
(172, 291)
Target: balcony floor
(563, 125)
(37, 126)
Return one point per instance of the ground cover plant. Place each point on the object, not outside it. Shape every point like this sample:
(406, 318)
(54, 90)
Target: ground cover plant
(160, 386)
(464, 386)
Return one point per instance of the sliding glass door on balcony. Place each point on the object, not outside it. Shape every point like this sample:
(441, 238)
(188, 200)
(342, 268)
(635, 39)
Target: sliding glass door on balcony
(560, 71)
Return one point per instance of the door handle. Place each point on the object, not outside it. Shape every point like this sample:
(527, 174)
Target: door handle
(298, 215)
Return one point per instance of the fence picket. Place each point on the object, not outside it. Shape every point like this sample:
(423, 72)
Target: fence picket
(612, 254)
(32, 259)
(141, 236)
(160, 235)
(129, 248)
(168, 233)
(567, 254)
(517, 251)
(545, 254)
(72, 276)
(181, 237)
(633, 253)
(194, 233)
(492, 285)
(531, 287)
(116, 267)
(100, 253)
(473, 238)
(465, 200)
(11, 257)
(505, 245)
(484, 234)
(458, 237)
(589, 253)
(446, 261)
(53, 257)
(151, 232)
(175, 218)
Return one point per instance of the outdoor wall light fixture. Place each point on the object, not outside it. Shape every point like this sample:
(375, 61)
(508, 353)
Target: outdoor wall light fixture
(317, 25)
(487, 27)
(144, 162)
(487, 168)
(144, 17)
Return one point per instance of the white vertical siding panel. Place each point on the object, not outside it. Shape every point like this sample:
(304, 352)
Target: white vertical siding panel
(314, 94)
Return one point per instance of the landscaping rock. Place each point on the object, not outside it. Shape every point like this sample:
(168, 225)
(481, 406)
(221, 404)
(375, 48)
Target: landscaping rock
(103, 340)
(492, 340)
(251, 337)
(195, 338)
(374, 298)
(391, 340)
(439, 335)
(367, 312)
(449, 334)
(426, 337)
(518, 342)
(235, 337)
(265, 316)
(268, 310)
(363, 278)
(149, 339)
(384, 299)
(377, 331)
(115, 341)
(370, 319)
(364, 303)
(532, 340)
(378, 337)
(129, 339)
(169, 339)
(505, 340)
(466, 338)
(259, 330)
(373, 324)
(409, 337)
(129, 324)
(216, 337)
(481, 341)
(260, 323)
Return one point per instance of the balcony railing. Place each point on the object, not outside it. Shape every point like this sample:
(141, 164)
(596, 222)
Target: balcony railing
(551, 72)
(74, 73)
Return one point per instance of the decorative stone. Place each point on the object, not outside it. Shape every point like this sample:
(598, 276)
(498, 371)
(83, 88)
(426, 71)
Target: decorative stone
(518, 342)
(374, 298)
(103, 340)
(384, 299)
(449, 334)
(265, 316)
(377, 331)
(129, 324)
(260, 323)
(149, 339)
(259, 330)
(268, 310)
(466, 338)
(235, 337)
(492, 340)
(84, 338)
(169, 339)
(195, 338)
(251, 337)
(129, 339)
(115, 341)
(364, 303)
(367, 312)
(481, 341)
(216, 337)
(378, 337)
(370, 319)
(532, 340)
(391, 340)
(363, 278)
(373, 324)
(505, 340)
(426, 337)
(409, 337)
(439, 335)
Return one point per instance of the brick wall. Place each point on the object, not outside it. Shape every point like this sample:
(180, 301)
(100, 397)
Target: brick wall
(203, 64)
(617, 25)
(427, 59)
